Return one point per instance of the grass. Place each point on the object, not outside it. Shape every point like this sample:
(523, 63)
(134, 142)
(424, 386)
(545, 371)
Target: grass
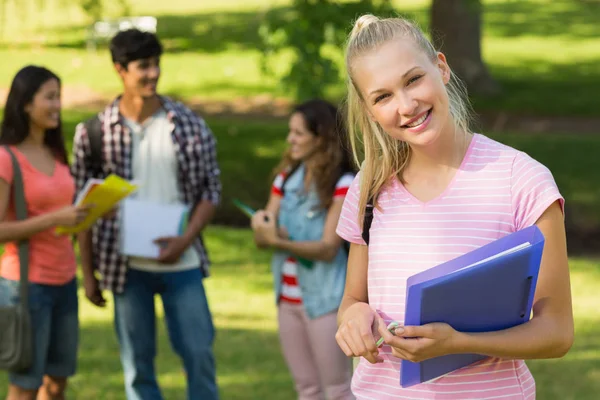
(249, 361)
(250, 365)
(544, 53)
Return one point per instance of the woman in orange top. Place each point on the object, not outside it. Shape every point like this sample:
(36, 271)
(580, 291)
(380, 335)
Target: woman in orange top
(32, 130)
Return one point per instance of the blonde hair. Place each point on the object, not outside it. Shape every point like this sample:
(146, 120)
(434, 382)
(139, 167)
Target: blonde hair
(384, 156)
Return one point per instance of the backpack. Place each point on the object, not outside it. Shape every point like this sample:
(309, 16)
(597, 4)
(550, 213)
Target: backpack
(93, 127)
(367, 219)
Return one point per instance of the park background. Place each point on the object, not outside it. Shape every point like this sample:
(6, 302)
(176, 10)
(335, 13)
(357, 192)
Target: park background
(242, 63)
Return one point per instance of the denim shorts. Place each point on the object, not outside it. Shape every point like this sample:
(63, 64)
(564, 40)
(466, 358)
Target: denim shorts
(55, 323)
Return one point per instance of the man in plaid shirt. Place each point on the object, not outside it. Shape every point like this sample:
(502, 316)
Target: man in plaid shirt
(171, 152)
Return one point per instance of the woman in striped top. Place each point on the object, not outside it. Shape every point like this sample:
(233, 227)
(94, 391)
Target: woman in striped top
(440, 191)
(309, 264)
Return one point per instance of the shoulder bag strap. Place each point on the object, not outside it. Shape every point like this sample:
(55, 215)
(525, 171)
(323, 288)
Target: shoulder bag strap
(288, 176)
(21, 211)
(367, 220)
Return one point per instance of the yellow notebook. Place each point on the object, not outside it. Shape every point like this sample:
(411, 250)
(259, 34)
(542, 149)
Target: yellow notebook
(104, 194)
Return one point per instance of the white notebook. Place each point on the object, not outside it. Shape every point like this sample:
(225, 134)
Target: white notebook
(142, 222)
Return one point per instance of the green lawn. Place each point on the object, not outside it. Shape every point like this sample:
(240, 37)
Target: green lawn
(249, 362)
(543, 52)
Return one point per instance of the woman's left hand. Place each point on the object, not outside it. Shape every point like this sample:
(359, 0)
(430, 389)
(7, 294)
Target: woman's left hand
(265, 227)
(419, 343)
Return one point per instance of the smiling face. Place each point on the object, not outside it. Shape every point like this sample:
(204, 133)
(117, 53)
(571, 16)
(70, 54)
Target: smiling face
(404, 91)
(140, 77)
(303, 142)
(44, 109)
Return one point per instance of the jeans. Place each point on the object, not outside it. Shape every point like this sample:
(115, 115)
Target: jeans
(189, 324)
(55, 327)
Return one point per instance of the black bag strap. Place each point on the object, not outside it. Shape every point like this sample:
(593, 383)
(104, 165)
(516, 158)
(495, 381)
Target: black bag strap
(21, 211)
(93, 127)
(288, 176)
(367, 220)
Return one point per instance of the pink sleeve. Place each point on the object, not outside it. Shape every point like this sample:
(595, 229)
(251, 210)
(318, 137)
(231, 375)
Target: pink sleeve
(533, 190)
(348, 227)
(6, 168)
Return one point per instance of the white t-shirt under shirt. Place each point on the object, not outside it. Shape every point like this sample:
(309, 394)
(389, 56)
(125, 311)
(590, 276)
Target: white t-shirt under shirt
(154, 167)
(290, 290)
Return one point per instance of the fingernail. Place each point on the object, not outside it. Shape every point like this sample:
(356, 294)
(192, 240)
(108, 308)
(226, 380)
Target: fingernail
(398, 331)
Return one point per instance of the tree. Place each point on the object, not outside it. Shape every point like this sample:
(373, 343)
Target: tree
(308, 27)
(94, 9)
(311, 29)
(456, 30)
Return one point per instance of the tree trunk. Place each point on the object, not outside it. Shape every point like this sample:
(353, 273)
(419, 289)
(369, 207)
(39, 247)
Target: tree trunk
(456, 31)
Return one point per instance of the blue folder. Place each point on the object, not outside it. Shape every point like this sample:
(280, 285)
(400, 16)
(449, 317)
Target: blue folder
(494, 294)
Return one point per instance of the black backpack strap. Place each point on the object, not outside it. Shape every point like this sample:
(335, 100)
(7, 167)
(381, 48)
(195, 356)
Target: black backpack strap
(367, 220)
(93, 127)
(287, 176)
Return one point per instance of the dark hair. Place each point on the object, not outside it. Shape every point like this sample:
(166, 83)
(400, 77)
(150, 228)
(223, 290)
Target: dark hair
(333, 159)
(15, 124)
(324, 119)
(134, 44)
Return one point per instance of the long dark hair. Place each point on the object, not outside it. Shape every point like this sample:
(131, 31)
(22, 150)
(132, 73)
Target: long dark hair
(15, 125)
(332, 158)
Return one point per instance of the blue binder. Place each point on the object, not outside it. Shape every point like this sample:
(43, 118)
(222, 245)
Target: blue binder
(487, 289)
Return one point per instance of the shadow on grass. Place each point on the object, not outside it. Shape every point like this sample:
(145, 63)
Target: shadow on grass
(213, 32)
(527, 86)
(249, 149)
(555, 88)
(249, 365)
(569, 18)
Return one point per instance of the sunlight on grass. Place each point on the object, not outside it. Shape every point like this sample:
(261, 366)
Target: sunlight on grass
(249, 361)
(212, 50)
(575, 375)
(543, 52)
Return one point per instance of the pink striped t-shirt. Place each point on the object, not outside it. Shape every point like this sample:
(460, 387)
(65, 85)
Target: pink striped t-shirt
(496, 191)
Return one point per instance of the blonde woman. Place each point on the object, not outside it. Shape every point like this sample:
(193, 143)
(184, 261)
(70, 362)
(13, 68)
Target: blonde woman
(439, 191)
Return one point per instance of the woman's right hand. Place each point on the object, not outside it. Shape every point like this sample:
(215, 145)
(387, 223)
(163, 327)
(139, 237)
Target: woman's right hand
(355, 333)
(257, 219)
(71, 215)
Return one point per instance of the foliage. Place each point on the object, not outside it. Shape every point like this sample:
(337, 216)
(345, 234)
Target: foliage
(94, 9)
(212, 51)
(308, 27)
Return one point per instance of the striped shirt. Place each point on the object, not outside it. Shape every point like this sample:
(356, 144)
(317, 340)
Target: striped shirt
(496, 191)
(198, 177)
(290, 289)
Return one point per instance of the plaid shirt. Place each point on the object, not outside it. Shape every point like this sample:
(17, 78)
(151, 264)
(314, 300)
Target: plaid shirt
(197, 175)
